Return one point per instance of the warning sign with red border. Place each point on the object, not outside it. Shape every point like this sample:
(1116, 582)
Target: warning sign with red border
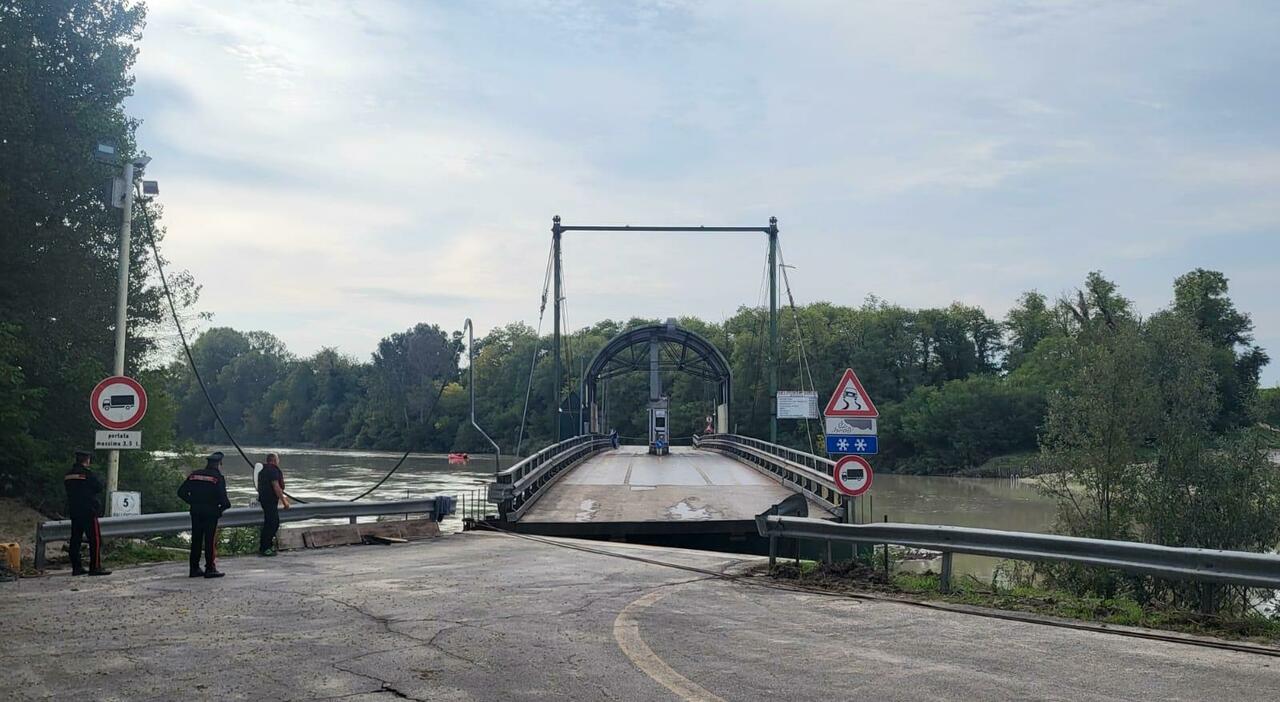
(850, 399)
(853, 475)
(118, 402)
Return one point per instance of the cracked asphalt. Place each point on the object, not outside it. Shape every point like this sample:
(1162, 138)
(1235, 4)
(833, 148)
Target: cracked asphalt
(487, 617)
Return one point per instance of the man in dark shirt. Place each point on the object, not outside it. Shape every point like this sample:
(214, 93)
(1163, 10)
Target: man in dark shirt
(271, 496)
(84, 505)
(206, 491)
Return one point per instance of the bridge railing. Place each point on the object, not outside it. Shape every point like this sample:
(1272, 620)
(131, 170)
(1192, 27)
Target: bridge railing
(437, 507)
(516, 488)
(806, 472)
(1260, 570)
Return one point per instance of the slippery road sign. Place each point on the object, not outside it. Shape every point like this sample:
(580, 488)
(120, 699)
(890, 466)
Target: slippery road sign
(850, 399)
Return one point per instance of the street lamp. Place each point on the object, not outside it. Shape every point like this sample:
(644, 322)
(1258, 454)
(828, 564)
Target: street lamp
(107, 152)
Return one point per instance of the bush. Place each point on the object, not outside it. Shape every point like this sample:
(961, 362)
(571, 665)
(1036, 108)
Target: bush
(962, 424)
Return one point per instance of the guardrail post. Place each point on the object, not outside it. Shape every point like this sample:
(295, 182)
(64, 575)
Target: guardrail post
(39, 547)
(944, 581)
(773, 551)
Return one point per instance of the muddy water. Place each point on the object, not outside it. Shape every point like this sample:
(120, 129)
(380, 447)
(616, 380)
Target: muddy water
(335, 475)
(989, 503)
(342, 475)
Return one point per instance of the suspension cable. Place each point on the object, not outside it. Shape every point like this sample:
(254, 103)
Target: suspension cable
(537, 346)
(805, 367)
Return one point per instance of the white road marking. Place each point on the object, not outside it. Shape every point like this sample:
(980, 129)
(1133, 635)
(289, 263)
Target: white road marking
(626, 630)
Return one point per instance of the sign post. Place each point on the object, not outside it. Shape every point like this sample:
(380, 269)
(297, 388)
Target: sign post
(118, 403)
(850, 418)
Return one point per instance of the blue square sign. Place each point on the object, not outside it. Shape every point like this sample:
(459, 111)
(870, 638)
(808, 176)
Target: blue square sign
(861, 445)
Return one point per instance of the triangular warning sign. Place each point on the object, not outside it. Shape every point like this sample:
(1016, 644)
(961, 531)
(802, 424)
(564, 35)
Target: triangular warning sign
(850, 399)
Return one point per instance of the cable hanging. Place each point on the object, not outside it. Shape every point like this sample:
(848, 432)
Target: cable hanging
(204, 389)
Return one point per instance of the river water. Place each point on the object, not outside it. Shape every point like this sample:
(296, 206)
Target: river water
(992, 503)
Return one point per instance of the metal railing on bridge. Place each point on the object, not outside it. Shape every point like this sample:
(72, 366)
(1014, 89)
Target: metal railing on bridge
(810, 474)
(1260, 570)
(518, 487)
(437, 507)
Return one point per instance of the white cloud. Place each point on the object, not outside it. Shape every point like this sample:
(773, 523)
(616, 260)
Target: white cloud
(338, 171)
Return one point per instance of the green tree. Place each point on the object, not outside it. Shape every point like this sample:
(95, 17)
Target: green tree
(1095, 433)
(1027, 324)
(64, 75)
(1201, 296)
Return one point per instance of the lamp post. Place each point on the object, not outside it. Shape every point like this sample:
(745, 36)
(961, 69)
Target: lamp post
(106, 152)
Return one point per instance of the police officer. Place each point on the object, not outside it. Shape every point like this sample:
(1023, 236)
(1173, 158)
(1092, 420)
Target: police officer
(206, 491)
(84, 504)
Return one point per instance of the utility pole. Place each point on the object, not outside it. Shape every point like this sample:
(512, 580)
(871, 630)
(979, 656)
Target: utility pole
(555, 377)
(122, 306)
(773, 329)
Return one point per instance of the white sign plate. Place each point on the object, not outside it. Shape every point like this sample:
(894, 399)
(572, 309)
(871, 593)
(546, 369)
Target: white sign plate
(117, 439)
(123, 503)
(851, 426)
(797, 404)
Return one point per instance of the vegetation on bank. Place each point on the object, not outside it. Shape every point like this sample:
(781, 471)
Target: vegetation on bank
(1016, 589)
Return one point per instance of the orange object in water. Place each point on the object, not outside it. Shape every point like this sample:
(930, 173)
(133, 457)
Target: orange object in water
(458, 458)
(12, 555)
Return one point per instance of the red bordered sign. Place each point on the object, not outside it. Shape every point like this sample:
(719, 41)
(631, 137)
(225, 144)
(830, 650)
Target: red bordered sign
(118, 402)
(853, 475)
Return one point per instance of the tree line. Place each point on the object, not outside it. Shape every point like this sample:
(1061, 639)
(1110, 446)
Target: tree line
(955, 387)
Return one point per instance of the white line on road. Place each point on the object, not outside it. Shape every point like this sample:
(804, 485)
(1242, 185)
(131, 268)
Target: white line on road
(626, 630)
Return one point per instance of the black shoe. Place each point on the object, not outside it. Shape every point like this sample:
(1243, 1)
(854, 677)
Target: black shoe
(99, 572)
(196, 573)
(79, 572)
(213, 573)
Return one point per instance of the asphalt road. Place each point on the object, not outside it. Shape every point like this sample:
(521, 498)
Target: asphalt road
(489, 617)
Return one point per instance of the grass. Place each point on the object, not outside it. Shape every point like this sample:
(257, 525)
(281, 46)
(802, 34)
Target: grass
(1024, 597)
(117, 553)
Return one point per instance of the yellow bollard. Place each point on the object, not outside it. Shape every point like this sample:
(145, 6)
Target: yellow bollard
(12, 555)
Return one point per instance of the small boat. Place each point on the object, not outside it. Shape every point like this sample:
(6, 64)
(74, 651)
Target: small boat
(458, 458)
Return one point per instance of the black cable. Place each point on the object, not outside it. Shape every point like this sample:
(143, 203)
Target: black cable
(173, 308)
(396, 467)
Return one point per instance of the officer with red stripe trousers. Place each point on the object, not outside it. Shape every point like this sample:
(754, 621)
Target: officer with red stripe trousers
(84, 505)
(206, 491)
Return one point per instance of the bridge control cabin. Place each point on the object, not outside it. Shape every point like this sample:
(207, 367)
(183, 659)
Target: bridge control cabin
(706, 495)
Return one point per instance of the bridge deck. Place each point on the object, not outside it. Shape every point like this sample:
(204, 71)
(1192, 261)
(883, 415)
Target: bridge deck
(629, 485)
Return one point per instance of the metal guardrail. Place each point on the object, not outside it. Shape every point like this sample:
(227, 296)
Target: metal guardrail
(806, 472)
(1208, 565)
(518, 487)
(437, 506)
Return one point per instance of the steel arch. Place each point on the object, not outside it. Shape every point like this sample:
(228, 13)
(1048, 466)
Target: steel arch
(681, 350)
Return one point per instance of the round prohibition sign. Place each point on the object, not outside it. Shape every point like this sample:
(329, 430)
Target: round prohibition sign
(118, 402)
(853, 475)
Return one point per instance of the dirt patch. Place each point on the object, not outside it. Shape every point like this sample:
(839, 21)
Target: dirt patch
(18, 525)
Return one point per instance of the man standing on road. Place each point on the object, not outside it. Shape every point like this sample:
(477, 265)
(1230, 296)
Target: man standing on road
(84, 505)
(206, 491)
(271, 496)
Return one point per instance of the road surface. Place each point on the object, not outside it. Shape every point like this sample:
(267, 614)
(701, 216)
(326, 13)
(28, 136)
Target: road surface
(629, 485)
(489, 617)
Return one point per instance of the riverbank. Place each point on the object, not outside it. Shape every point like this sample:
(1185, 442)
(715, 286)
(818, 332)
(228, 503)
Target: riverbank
(852, 577)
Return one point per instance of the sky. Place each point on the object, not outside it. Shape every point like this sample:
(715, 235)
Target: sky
(334, 172)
